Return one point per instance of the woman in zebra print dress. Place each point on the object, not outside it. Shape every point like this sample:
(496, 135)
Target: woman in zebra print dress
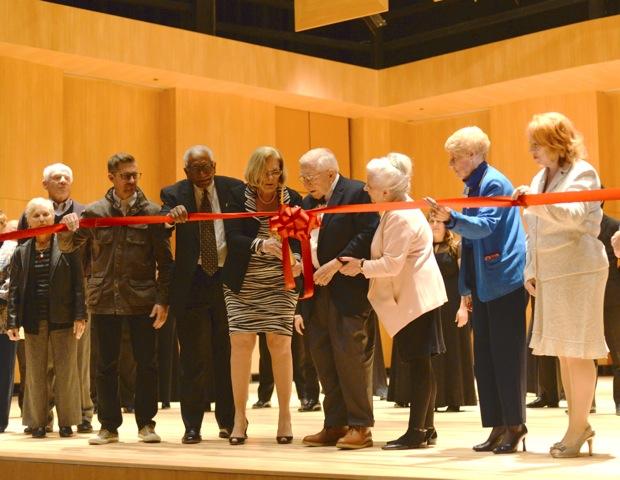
(256, 300)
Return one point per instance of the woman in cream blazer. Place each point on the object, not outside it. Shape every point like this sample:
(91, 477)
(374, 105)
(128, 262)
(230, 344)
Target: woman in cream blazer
(406, 290)
(566, 270)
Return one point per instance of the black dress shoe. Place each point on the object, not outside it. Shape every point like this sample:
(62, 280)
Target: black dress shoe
(431, 436)
(541, 402)
(192, 435)
(262, 404)
(85, 427)
(165, 405)
(511, 439)
(65, 432)
(453, 408)
(128, 410)
(38, 432)
(310, 406)
(618, 409)
(415, 438)
(225, 432)
(495, 438)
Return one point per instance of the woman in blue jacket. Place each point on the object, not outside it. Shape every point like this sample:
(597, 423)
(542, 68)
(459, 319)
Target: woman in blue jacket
(491, 282)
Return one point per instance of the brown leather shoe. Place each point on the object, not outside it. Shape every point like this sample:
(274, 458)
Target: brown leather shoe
(328, 437)
(356, 437)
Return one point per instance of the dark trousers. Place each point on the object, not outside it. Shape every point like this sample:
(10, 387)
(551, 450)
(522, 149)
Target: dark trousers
(379, 373)
(144, 345)
(499, 358)
(202, 328)
(8, 348)
(612, 337)
(342, 347)
(166, 351)
(304, 372)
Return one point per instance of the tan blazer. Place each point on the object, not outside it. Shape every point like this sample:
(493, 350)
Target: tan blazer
(405, 281)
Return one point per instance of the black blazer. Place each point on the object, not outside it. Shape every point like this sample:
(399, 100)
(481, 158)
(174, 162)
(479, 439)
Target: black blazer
(66, 289)
(187, 248)
(609, 226)
(242, 232)
(345, 235)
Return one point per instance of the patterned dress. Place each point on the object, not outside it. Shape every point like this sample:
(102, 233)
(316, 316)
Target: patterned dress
(262, 305)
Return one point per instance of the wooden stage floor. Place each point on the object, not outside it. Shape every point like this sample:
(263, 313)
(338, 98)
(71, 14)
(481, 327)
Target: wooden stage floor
(261, 458)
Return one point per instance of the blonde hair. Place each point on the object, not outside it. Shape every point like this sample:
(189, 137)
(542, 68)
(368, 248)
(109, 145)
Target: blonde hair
(469, 140)
(556, 132)
(257, 164)
(393, 173)
(39, 202)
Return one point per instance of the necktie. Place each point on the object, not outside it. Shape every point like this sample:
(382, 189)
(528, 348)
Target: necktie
(208, 245)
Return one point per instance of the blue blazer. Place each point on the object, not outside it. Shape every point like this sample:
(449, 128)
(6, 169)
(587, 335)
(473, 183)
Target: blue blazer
(498, 241)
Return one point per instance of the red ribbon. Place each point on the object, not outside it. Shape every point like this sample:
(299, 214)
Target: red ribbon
(295, 222)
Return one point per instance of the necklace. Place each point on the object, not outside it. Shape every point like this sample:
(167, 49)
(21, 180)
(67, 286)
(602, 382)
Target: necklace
(41, 251)
(263, 201)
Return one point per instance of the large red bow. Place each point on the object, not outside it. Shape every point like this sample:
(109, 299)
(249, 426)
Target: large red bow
(295, 222)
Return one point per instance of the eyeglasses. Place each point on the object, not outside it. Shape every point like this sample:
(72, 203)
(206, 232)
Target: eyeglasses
(273, 173)
(202, 168)
(309, 178)
(127, 176)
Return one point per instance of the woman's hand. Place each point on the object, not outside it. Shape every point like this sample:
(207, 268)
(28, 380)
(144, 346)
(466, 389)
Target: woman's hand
(272, 246)
(298, 321)
(324, 274)
(78, 328)
(519, 191)
(438, 212)
(351, 266)
(462, 317)
(530, 286)
(615, 243)
(13, 334)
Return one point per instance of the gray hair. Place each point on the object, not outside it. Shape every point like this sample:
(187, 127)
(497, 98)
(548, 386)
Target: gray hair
(323, 158)
(469, 140)
(392, 173)
(56, 167)
(39, 202)
(196, 151)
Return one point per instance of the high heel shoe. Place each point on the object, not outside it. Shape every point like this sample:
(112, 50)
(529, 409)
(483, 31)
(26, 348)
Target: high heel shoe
(495, 438)
(557, 445)
(240, 440)
(431, 436)
(511, 439)
(572, 451)
(284, 439)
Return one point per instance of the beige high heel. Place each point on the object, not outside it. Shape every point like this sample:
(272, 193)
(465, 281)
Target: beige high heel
(572, 451)
(557, 445)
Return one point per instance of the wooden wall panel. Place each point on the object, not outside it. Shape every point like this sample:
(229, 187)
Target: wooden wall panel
(332, 132)
(609, 145)
(30, 129)
(102, 118)
(230, 125)
(293, 140)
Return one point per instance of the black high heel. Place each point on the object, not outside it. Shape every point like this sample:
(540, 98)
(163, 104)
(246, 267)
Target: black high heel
(240, 440)
(284, 439)
(431, 436)
(511, 439)
(495, 438)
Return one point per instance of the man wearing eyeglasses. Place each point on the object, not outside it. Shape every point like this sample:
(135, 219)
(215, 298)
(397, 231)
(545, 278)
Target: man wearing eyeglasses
(129, 281)
(58, 180)
(197, 298)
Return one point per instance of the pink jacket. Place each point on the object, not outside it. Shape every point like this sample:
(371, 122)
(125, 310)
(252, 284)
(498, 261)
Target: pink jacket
(405, 281)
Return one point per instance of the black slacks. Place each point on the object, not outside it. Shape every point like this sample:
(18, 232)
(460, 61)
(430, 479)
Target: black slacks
(342, 348)
(203, 327)
(144, 345)
(612, 337)
(499, 358)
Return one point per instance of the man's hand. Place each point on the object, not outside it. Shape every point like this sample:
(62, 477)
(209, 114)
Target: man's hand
(438, 212)
(530, 286)
(299, 324)
(324, 274)
(179, 214)
(72, 221)
(615, 243)
(272, 246)
(78, 328)
(160, 314)
(13, 334)
(462, 317)
(296, 268)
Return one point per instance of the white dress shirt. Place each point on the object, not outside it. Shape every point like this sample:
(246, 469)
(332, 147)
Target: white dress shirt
(314, 234)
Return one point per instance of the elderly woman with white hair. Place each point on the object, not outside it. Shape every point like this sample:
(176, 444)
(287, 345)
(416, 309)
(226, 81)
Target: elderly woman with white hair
(491, 281)
(46, 298)
(406, 290)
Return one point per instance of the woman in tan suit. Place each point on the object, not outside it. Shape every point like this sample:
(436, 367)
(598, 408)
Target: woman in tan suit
(566, 264)
(406, 290)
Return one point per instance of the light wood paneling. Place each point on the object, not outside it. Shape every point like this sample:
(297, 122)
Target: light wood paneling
(609, 145)
(332, 132)
(293, 140)
(102, 118)
(30, 130)
(316, 13)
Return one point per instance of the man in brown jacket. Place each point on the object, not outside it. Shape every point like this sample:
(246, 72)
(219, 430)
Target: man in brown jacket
(130, 278)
